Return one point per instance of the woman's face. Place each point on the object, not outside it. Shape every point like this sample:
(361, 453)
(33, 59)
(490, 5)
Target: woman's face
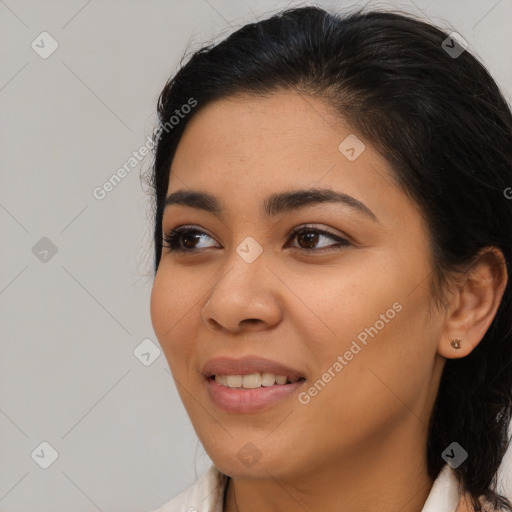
(344, 302)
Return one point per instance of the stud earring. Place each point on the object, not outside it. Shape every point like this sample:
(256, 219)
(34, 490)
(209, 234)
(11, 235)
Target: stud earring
(455, 343)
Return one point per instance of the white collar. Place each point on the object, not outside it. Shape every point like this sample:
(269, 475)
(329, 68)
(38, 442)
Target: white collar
(444, 495)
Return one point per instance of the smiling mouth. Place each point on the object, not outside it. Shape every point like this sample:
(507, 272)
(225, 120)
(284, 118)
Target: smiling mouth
(254, 380)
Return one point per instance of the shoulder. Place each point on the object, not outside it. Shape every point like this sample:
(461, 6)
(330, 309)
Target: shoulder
(204, 495)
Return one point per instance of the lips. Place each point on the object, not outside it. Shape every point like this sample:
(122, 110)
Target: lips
(248, 365)
(231, 398)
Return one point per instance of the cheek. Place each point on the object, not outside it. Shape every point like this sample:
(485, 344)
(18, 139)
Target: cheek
(166, 309)
(175, 307)
(336, 303)
(375, 324)
(387, 363)
(159, 304)
(377, 385)
(172, 296)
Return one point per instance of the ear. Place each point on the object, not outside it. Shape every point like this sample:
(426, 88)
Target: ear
(474, 304)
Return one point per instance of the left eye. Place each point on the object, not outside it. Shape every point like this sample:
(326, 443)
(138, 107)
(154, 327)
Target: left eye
(185, 239)
(311, 235)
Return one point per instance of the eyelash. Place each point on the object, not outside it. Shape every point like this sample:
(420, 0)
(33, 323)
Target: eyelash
(172, 239)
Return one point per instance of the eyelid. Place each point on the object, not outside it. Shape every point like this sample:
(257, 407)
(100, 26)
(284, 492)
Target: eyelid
(323, 231)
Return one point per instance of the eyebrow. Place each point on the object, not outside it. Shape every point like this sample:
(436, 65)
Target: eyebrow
(273, 205)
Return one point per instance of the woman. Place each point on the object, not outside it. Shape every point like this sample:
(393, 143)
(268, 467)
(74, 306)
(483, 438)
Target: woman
(333, 244)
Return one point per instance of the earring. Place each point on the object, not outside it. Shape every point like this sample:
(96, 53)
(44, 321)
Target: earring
(455, 343)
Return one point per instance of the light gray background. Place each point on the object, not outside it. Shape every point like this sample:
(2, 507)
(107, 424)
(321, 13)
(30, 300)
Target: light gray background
(69, 325)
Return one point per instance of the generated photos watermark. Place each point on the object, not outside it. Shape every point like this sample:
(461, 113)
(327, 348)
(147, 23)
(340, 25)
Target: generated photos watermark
(100, 192)
(341, 361)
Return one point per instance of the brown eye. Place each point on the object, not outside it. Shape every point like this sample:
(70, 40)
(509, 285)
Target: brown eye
(190, 239)
(184, 240)
(309, 236)
(310, 239)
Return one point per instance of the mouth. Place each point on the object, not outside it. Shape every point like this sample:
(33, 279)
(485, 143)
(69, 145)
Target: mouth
(234, 397)
(250, 384)
(254, 380)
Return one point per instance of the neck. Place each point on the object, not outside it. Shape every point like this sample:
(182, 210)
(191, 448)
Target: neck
(385, 478)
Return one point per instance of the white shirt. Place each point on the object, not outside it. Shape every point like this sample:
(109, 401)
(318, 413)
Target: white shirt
(207, 494)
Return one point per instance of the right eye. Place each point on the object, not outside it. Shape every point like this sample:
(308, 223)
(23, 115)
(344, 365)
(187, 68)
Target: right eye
(184, 239)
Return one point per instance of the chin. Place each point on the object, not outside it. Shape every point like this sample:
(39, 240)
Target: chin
(250, 462)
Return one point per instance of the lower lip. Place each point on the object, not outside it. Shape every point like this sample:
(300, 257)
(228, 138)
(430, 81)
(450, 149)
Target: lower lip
(249, 400)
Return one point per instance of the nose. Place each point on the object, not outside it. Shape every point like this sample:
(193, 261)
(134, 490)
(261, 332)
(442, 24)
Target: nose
(246, 298)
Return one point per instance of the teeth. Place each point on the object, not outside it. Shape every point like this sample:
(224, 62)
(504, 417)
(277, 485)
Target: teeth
(281, 379)
(253, 380)
(222, 379)
(234, 381)
(268, 379)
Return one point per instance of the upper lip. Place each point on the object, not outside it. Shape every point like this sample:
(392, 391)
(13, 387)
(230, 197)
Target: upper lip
(246, 366)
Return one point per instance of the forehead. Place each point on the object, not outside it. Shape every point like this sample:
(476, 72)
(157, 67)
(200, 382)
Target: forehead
(245, 148)
(284, 125)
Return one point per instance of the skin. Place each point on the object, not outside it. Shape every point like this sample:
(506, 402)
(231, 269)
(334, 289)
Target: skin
(361, 441)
